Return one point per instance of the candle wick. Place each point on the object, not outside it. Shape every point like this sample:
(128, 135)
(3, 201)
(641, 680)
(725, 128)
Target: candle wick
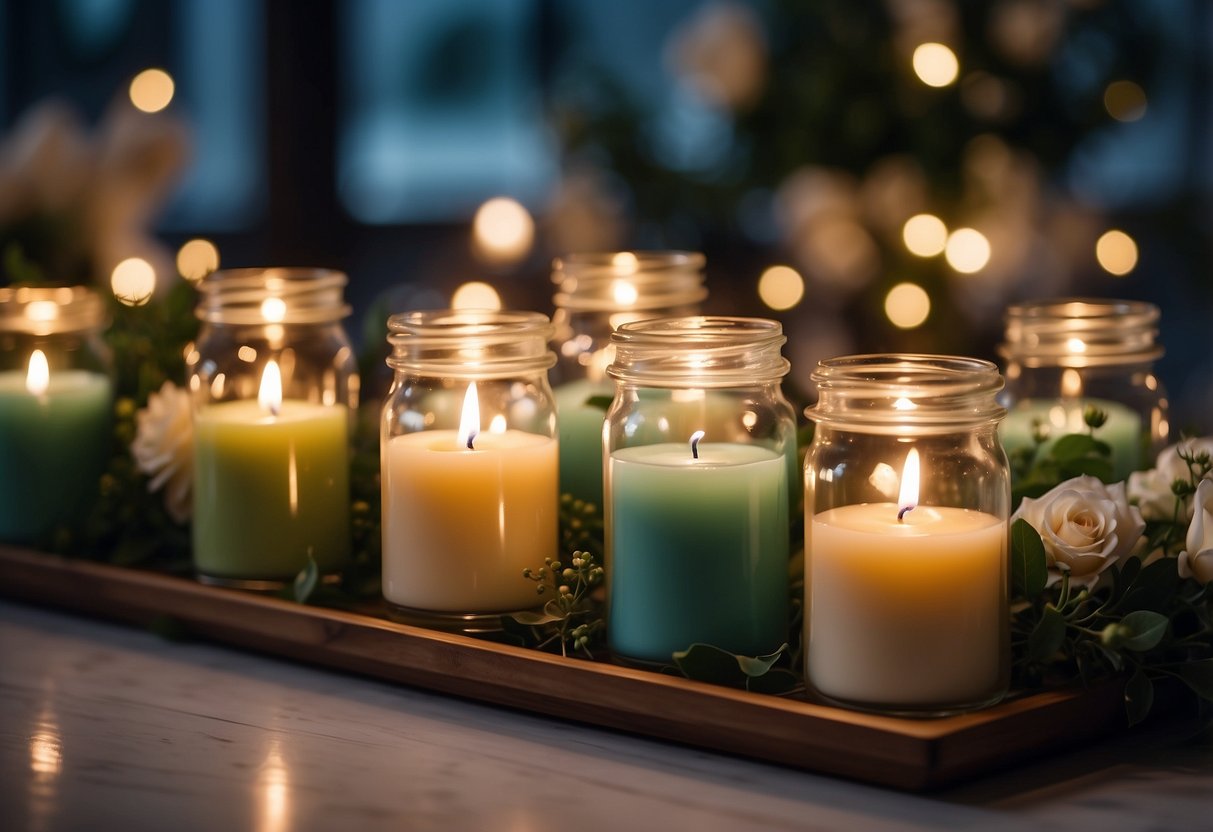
(901, 514)
(471, 436)
(695, 437)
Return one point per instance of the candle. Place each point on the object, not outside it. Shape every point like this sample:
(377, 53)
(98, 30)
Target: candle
(54, 435)
(580, 427)
(1122, 431)
(464, 513)
(271, 486)
(699, 549)
(906, 601)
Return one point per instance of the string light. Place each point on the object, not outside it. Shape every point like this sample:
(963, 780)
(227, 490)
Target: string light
(781, 287)
(907, 305)
(935, 64)
(1116, 252)
(152, 90)
(475, 295)
(1125, 101)
(196, 259)
(133, 281)
(503, 230)
(967, 251)
(925, 235)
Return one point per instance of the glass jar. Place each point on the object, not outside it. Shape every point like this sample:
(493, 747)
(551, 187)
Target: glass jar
(598, 292)
(1063, 356)
(468, 456)
(907, 499)
(275, 388)
(700, 444)
(56, 408)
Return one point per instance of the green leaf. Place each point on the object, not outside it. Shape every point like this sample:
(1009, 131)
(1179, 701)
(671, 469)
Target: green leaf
(776, 682)
(1139, 697)
(1029, 566)
(603, 403)
(305, 581)
(1047, 636)
(1199, 677)
(1075, 446)
(535, 618)
(708, 663)
(1153, 586)
(1099, 468)
(1148, 630)
(758, 665)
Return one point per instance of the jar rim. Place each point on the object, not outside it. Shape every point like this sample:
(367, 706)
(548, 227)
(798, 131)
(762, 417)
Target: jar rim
(309, 295)
(699, 351)
(625, 281)
(470, 343)
(51, 310)
(906, 392)
(1081, 332)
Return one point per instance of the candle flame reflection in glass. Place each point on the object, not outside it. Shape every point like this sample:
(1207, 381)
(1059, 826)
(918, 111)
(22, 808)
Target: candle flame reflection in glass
(269, 396)
(38, 377)
(907, 499)
(469, 420)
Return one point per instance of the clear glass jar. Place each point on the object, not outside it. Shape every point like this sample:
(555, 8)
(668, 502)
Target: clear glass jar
(1065, 355)
(700, 444)
(56, 408)
(907, 499)
(598, 292)
(468, 457)
(275, 388)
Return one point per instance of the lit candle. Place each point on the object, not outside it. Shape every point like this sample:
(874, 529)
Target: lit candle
(271, 486)
(699, 549)
(54, 435)
(906, 601)
(464, 513)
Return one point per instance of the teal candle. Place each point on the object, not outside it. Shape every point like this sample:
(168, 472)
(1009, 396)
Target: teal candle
(1122, 431)
(580, 427)
(53, 448)
(698, 549)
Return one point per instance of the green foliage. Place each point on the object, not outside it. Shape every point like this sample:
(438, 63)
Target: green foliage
(571, 618)
(708, 663)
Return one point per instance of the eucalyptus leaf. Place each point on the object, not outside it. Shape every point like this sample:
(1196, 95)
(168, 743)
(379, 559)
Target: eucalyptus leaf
(1199, 677)
(1074, 446)
(1148, 630)
(305, 582)
(1029, 566)
(1139, 697)
(1047, 636)
(1096, 467)
(709, 663)
(603, 403)
(776, 682)
(536, 618)
(758, 665)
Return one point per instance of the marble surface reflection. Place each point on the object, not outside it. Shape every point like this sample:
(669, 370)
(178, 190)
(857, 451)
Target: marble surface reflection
(104, 727)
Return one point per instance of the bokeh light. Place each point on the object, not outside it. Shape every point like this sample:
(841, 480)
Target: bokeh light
(781, 287)
(935, 64)
(196, 259)
(475, 295)
(1116, 252)
(925, 235)
(907, 305)
(503, 230)
(152, 90)
(133, 281)
(967, 251)
(1125, 101)
(625, 293)
(273, 310)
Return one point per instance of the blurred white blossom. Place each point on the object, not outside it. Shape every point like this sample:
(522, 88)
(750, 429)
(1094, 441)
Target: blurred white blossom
(163, 448)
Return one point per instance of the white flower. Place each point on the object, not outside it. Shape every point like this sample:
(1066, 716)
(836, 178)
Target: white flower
(1085, 526)
(164, 448)
(1151, 490)
(1196, 561)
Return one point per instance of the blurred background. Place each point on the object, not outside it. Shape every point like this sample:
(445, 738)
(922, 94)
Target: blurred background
(878, 174)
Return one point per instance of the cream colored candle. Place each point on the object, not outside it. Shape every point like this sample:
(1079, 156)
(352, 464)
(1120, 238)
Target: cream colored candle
(461, 523)
(906, 612)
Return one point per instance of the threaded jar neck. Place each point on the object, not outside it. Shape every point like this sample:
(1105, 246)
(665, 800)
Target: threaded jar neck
(906, 394)
(1081, 332)
(252, 297)
(39, 310)
(699, 351)
(470, 344)
(628, 281)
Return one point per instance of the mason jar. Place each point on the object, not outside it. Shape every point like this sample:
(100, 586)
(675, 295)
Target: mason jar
(596, 293)
(469, 466)
(700, 443)
(275, 388)
(56, 408)
(1065, 356)
(907, 499)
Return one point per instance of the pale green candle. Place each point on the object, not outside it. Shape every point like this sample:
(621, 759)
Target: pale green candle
(580, 427)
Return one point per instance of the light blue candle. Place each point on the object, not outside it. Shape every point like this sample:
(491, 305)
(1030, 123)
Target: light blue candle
(1122, 431)
(54, 441)
(697, 549)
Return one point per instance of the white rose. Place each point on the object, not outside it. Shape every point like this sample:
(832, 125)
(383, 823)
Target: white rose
(1196, 561)
(164, 448)
(1085, 526)
(1151, 490)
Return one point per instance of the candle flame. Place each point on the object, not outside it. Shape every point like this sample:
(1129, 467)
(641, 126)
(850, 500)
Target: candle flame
(270, 394)
(38, 379)
(907, 499)
(469, 421)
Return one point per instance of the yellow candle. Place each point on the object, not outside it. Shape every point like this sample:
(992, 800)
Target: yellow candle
(460, 523)
(907, 612)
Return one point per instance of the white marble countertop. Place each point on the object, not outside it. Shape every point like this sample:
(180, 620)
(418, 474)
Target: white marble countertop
(105, 727)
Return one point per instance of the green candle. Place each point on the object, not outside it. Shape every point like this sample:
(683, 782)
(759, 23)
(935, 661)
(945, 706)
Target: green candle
(580, 427)
(54, 440)
(698, 549)
(270, 489)
(1122, 430)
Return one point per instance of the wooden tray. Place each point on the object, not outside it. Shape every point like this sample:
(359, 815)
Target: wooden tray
(904, 753)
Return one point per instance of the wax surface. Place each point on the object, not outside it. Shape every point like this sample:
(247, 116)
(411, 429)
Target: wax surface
(53, 449)
(580, 428)
(270, 490)
(909, 613)
(460, 526)
(1122, 431)
(699, 549)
